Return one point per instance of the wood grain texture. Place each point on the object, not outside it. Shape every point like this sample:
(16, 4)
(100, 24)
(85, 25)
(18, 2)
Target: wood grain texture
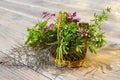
(17, 15)
(23, 73)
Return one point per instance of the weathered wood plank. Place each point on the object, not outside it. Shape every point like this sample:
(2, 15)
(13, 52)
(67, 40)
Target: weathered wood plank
(83, 8)
(20, 23)
(13, 73)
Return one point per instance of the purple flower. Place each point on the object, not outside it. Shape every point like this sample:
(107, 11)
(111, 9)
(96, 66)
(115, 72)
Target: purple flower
(50, 27)
(82, 33)
(76, 20)
(71, 16)
(46, 14)
(74, 14)
(52, 14)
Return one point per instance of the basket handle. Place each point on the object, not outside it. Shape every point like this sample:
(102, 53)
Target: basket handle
(58, 29)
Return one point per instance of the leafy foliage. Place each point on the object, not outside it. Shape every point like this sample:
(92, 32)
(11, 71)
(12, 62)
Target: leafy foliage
(97, 38)
(68, 34)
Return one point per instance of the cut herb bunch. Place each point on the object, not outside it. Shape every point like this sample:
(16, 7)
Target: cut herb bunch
(70, 37)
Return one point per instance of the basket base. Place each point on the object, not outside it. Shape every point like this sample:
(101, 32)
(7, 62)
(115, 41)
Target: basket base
(74, 64)
(71, 64)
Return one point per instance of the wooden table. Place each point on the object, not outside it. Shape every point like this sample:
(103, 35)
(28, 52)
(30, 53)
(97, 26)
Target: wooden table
(17, 15)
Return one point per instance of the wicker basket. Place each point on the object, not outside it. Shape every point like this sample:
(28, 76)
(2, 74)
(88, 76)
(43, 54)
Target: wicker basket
(71, 59)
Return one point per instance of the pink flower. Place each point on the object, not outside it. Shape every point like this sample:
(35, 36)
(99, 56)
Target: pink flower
(74, 14)
(82, 33)
(80, 30)
(86, 34)
(46, 14)
(52, 14)
(71, 16)
(50, 27)
(76, 20)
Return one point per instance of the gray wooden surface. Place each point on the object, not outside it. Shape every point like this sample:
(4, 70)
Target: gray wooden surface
(14, 73)
(17, 15)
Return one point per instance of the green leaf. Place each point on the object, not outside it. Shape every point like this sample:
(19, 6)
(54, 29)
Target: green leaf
(67, 37)
(108, 9)
(53, 43)
(43, 24)
(64, 49)
(93, 49)
(79, 50)
(34, 27)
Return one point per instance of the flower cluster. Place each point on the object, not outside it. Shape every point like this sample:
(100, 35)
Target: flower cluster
(72, 17)
(46, 14)
(82, 30)
(50, 27)
(82, 33)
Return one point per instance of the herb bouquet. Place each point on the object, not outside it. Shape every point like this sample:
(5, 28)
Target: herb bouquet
(69, 38)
